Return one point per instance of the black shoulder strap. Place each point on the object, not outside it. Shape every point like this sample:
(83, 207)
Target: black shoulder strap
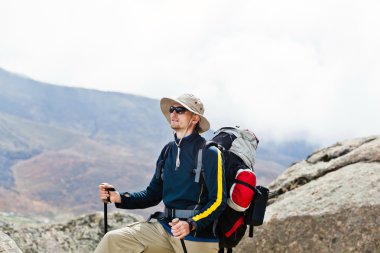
(199, 160)
(161, 162)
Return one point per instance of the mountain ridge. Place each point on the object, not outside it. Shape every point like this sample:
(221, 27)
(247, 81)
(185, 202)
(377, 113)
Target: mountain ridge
(57, 142)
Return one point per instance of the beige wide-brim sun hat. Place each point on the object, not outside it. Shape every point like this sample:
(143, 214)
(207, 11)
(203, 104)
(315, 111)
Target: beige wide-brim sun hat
(191, 103)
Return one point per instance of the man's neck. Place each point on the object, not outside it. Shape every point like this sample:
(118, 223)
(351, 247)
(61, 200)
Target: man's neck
(183, 133)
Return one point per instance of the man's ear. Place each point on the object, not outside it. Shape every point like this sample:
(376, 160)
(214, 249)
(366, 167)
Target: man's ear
(195, 119)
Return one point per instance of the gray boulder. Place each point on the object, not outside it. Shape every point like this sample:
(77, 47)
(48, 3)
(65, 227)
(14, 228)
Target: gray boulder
(80, 235)
(329, 202)
(7, 245)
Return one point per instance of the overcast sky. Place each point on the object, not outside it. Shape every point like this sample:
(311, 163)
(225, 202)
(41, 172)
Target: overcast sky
(288, 70)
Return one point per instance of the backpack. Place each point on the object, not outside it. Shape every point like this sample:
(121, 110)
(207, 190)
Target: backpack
(246, 202)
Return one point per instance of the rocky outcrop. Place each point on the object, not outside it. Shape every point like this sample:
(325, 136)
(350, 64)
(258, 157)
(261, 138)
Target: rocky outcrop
(79, 235)
(329, 202)
(350, 230)
(7, 245)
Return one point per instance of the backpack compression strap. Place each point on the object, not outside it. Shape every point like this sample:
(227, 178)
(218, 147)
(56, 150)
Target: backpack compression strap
(245, 184)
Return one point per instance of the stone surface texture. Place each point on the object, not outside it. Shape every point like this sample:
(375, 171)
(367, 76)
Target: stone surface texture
(329, 202)
(80, 235)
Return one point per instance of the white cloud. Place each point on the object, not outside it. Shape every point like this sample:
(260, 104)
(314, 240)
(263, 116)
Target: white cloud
(289, 69)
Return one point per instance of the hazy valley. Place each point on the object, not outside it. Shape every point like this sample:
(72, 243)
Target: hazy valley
(58, 143)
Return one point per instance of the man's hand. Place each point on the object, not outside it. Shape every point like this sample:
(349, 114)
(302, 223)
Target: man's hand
(180, 228)
(104, 193)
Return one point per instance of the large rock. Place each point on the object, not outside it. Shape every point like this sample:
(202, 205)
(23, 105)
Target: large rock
(78, 235)
(329, 202)
(7, 245)
(349, 230)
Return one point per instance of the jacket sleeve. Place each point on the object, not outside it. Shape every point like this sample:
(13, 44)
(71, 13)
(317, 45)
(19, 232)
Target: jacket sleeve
(216, 187)
(151, 196)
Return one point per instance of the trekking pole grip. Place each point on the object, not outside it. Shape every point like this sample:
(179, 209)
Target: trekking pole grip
(105, 209)
(175, 221)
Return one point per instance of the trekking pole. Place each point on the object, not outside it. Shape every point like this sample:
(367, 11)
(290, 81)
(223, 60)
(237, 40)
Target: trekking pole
(175, 221)
(105, 210)
(105, 217)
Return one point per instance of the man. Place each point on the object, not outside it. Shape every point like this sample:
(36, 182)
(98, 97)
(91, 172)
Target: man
(196, 204)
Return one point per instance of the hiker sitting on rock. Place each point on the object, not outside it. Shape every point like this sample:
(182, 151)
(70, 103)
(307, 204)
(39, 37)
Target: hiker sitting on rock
(196, 204)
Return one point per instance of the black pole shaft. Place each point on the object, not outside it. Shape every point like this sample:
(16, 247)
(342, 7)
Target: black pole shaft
(105, 217)
(183, 246)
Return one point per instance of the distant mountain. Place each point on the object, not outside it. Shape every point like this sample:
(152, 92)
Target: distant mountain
(108, 117)
(58, 143)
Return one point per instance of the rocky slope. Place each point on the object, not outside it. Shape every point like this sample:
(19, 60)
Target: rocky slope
(80, 235)
(7, 245)
(329, 202)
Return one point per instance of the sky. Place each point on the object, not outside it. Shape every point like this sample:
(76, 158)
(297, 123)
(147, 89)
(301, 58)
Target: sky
(288, 70)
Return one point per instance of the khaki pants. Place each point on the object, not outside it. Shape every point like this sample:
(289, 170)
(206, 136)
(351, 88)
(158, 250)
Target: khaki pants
(149, 237)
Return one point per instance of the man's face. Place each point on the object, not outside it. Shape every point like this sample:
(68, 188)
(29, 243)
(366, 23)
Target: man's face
(179, 117)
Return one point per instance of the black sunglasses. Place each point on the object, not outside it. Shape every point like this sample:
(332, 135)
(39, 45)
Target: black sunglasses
(178, 109)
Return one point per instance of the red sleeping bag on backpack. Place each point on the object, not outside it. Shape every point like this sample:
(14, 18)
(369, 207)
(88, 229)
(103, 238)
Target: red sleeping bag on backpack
(241, 196)
(240, 193)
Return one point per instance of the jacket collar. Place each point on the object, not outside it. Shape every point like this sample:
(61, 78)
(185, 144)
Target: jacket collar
(186, 139)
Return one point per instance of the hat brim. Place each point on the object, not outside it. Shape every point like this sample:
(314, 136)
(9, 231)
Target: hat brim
(165, 104)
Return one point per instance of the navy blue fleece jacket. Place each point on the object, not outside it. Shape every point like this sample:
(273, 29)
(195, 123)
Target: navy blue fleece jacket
(178, 190)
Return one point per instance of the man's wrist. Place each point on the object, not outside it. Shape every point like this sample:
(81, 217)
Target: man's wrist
(118, 198)
(123, 197)
(192, 224)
